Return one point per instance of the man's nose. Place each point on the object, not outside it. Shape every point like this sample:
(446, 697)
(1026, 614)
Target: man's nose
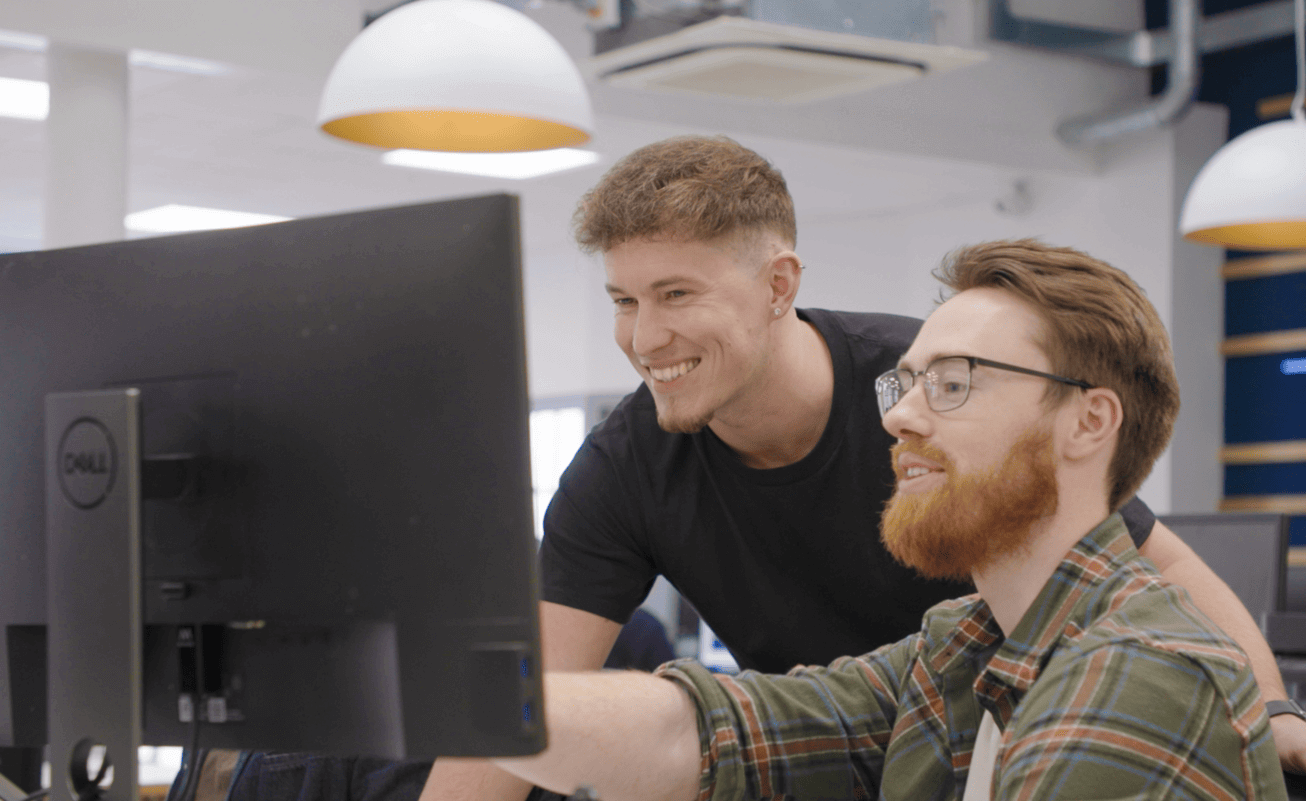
(911, 416)
(651, 332)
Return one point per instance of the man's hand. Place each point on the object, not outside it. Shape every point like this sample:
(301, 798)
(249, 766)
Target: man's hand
(1290, 741)
(570, 640)
(628, 735)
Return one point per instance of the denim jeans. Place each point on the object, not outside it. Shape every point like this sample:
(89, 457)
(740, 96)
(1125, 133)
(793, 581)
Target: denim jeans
(312, 777)
(260, 776)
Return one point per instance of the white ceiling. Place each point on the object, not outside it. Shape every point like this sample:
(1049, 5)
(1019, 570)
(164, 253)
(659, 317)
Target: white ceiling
(245, 140)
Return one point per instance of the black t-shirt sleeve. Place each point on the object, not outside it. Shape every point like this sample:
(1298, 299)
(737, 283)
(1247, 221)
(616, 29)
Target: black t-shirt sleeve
(591, 558)
(1139, 519)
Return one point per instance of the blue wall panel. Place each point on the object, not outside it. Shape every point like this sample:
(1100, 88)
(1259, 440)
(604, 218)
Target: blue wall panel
(1261, 402)
(1297, 530)
(1265, 479)
(1259, 305)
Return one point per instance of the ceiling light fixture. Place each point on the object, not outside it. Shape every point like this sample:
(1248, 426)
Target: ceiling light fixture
(456, 75)
(168, 62)
(23, 99)
(23, 41)
(1251, 195)
(765, 62)
(514, 166)
(175, 219)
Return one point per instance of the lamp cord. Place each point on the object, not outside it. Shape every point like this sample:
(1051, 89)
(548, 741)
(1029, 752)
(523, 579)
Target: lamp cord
(1300, 36)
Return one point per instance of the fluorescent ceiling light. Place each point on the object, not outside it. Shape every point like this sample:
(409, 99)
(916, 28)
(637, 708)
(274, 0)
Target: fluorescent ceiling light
(23, 41)
(174, 219)
(171, 63)
(514, 166)
(23, 99)
(137, 58)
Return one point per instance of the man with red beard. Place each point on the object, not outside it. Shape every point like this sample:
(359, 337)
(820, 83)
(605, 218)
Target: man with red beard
(1030, 406)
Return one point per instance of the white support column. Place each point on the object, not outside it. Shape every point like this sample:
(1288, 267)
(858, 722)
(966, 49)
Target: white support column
(1197, 329)
(86, 146)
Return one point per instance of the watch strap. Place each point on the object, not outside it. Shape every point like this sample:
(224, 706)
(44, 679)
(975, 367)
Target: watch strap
(1288, 707)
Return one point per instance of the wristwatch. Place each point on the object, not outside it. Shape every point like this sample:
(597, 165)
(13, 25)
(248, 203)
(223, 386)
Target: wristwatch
(1288, 707)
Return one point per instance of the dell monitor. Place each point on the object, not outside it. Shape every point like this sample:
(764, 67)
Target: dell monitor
(270, 487)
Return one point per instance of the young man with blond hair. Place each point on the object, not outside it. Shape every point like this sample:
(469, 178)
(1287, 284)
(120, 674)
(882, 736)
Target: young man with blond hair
(1030, 406)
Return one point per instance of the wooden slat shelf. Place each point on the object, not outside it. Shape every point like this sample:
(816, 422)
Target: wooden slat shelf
(1293, 450)
(1261, 266)
(1274, 107)
(1261, 344)
(1297, 556)
(1285, 504)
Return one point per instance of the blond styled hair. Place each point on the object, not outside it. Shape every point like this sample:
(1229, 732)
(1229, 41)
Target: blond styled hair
(1099, 327)
(689, 188)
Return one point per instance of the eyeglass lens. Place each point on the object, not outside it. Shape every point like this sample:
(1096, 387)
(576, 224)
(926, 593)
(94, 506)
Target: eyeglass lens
(946, 384)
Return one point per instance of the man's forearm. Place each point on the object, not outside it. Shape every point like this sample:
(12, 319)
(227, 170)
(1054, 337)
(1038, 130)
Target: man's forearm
(570, 640)
(629, 736)
(472, 780)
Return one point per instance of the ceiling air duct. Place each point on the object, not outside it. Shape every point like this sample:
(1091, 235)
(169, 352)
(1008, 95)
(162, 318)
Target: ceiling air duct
(772, 51)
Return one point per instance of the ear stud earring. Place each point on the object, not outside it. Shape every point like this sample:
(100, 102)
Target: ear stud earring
(777, 312)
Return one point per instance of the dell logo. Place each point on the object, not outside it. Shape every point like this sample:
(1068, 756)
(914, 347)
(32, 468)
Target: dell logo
(92, 462)
(88, 463)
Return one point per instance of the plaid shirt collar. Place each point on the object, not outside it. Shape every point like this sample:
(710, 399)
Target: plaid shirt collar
(1014, 663)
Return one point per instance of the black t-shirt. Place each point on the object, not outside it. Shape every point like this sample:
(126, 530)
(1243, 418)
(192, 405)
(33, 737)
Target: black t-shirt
(785, 564)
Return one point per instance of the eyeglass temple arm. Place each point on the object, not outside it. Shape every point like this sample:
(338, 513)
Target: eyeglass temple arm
(974, 360)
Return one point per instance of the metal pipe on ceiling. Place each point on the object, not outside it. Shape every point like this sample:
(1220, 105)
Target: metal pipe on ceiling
(1181, 87)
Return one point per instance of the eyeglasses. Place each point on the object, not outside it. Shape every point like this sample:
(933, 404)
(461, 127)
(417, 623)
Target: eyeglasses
(947, 382)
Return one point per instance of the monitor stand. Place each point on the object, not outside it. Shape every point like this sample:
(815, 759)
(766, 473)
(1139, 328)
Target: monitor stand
(20, 772)
(10, 791)
(93, 564)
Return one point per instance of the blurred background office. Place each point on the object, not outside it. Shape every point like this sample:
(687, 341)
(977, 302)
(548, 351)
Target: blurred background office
(905, 129)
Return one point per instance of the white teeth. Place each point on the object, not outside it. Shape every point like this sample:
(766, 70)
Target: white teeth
(673, 372)
(913, 472)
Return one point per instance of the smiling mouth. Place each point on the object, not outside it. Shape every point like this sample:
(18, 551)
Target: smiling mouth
(910, 475)
(665, 374)
(927, 459)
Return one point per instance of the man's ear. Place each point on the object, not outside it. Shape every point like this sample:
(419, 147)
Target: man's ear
(784, 273)
(1097, 417)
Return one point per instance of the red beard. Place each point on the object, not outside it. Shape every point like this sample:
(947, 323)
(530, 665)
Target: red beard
(961, 527)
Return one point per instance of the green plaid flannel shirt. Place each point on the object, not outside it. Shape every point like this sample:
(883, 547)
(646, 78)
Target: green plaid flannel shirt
(1112, 686)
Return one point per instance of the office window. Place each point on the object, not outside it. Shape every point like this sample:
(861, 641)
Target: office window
(556, 435)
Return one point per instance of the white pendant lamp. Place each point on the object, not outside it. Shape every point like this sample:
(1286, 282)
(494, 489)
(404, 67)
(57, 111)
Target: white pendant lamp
(1251, 195)
(456, 75)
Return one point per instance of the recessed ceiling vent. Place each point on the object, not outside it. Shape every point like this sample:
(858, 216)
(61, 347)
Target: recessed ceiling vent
(766, 62)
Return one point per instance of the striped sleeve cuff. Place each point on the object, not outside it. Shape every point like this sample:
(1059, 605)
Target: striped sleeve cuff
(722, 776)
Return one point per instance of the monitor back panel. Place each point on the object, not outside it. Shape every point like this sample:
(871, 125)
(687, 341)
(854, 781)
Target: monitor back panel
(356, 386)
(1247, 550)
